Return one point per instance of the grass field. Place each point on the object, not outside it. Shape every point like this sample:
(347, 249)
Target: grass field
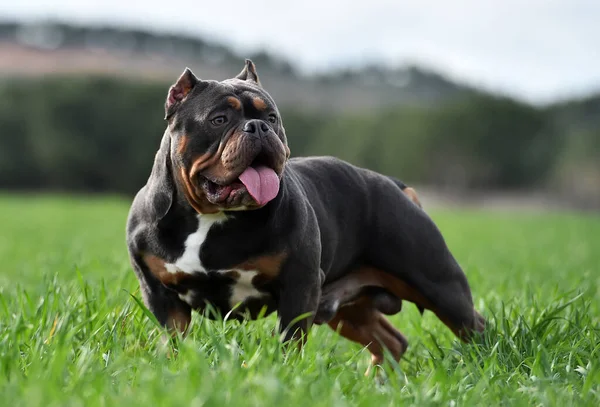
(71, 334)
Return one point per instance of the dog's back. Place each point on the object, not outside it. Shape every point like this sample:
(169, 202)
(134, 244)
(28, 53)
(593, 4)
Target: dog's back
(366, 219)
(346, 200)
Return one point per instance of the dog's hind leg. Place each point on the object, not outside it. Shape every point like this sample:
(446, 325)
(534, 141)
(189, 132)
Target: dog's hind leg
(352, 286)
(407, 245)
(350, 290)
(434, 283)
(360, 322)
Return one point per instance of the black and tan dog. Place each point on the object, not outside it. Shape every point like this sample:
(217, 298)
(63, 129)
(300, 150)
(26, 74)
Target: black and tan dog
(228, 218)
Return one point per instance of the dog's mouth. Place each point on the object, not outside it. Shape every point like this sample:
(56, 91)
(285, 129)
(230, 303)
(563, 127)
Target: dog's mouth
(244, 173)
(258, 184)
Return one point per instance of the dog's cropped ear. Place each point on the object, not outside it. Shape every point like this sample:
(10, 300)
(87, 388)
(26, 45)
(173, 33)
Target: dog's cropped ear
(249, 73)
(179, 91)
(160, 186)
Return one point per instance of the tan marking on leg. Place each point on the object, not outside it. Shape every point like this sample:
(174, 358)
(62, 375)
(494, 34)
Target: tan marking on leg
(156, 265)
(360, 322)
(179, 316)
(178, 321)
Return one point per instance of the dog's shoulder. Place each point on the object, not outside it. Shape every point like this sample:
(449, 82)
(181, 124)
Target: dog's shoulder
(139, 224)
(160, 234)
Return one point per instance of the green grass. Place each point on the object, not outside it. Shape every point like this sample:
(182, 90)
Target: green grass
(71, 334)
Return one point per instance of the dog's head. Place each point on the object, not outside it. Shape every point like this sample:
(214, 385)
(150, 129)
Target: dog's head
(228, 146)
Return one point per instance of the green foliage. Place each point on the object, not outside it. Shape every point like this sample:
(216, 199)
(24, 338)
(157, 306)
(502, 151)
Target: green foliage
(72, 335)
(94, 134)
(502, 143)
(479, 141)
(101, 134)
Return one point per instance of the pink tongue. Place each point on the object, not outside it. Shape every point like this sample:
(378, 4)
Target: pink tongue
(261, 182)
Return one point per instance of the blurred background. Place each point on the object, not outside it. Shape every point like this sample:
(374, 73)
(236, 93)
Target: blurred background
(474, 104)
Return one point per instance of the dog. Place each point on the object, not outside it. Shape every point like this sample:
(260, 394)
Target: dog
(228, 220)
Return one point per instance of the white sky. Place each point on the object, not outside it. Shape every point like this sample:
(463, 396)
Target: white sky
(538, 50)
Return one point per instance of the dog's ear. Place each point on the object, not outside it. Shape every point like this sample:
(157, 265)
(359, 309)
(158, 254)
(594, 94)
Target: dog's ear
(160, 186)
(179, 91)
(249, 73)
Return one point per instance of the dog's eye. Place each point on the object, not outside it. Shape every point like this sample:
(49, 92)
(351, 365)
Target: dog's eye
(219, 120)
(272, 118)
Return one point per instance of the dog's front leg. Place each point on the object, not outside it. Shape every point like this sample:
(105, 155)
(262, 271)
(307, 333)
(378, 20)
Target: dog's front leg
(300, 292)
(168, 309)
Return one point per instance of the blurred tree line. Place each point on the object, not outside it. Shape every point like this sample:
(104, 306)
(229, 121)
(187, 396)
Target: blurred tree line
(101, 134)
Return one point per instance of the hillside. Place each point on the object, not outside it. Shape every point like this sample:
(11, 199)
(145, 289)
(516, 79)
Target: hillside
(92, 88)
(58, 48)
(578, 114)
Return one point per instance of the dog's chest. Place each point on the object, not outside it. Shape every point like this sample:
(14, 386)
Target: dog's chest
(224, 288)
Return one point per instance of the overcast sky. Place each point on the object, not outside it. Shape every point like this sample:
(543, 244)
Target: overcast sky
(537, 50)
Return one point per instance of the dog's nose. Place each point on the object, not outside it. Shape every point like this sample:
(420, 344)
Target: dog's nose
(252, 126)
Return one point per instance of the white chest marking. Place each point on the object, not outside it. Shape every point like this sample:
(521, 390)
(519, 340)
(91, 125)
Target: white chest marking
(243, 288)
(189, 262)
